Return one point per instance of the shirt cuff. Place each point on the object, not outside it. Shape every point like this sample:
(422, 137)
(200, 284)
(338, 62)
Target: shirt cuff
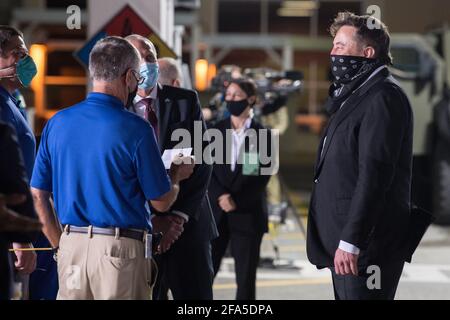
(348, 247)
(181, 214)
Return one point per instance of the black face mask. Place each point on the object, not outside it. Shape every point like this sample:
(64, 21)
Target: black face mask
(237, 107)
(345, 69)
(130, 98)
(349, 73)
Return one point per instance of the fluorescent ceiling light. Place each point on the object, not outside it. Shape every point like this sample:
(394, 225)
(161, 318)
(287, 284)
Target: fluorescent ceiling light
(286, 12)
(307, 5)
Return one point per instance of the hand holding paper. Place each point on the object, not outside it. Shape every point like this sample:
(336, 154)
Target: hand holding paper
(170, 155)
(181, 164)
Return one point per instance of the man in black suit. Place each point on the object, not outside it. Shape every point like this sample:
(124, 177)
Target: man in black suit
(360, 205)
(17, 221)
(186, 269)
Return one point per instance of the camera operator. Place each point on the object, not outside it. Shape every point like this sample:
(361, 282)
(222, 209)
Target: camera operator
(273, 114)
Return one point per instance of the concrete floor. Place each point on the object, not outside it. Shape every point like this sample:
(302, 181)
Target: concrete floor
(428, 277)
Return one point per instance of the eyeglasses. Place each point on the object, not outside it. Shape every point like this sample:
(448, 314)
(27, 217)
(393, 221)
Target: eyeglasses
(139, 78)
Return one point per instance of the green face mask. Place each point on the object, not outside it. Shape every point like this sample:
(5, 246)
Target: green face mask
(26, 70)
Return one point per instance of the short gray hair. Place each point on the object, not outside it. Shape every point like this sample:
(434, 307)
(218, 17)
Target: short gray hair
(169, 70)
(138, 38)
(111, 57)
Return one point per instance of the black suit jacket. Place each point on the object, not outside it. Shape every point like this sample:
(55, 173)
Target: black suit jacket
(13, 179)
(180, 109)
(248, 191)
(361, 193)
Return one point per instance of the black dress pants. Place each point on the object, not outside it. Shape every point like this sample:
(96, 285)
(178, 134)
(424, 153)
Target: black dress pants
(245, 249)
(366, 286)
(5, 273)
(186, 269)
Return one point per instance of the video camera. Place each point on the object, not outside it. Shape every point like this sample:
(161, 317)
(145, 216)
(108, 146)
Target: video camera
(271, 84)
(273, 89)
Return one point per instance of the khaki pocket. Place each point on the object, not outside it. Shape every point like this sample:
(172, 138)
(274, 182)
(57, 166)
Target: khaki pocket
(118, 263)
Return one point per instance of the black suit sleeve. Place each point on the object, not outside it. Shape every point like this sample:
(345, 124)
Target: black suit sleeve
(13, 179)
(193, 190)
(381, 136)
(216, 188)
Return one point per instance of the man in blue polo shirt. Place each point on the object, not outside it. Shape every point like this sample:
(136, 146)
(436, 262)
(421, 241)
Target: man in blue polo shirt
(102, 164)
(16, 71)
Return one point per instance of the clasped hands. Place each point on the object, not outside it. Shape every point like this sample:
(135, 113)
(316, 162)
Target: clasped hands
(226, 203)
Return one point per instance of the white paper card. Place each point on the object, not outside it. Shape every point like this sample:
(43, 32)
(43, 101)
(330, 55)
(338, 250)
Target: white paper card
(170, 154)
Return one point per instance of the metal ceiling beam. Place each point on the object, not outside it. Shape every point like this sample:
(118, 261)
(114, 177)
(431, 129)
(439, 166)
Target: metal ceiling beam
(44, 16)
(258, 41)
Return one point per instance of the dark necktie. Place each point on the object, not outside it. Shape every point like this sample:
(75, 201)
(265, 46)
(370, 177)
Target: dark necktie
(150, 114)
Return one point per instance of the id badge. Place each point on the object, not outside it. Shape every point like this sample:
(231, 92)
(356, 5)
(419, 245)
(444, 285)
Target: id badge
(250, 166)
(148, 246)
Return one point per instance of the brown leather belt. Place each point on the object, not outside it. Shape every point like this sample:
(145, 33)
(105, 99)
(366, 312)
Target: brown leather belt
(120, 232)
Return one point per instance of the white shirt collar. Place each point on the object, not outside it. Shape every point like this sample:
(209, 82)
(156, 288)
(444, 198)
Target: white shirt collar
(246, 126)
(153, 95)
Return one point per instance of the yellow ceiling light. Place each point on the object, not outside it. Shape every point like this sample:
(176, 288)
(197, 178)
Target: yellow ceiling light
(39, 54)
(201, 74)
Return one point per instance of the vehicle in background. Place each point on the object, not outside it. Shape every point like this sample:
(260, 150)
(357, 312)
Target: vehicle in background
(422, 66)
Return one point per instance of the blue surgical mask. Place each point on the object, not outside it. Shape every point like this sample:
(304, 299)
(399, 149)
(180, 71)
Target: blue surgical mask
(26, 70)
(150, 72)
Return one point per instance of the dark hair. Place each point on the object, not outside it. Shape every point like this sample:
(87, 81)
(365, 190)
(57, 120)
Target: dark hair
(6, 33)
(378, 37)
(247, 85)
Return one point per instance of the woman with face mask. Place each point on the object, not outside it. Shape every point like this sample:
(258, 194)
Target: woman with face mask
(237, 188)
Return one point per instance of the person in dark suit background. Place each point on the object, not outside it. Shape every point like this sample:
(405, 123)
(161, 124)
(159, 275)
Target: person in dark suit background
(360, 204)
(18, 221)
(237, 189)
(184, 263)
(18, 69)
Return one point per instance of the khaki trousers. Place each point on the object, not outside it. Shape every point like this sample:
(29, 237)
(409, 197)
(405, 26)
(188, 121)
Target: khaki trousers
(103, 267)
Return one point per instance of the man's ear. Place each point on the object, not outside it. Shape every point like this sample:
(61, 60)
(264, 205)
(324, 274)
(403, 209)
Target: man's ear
(128, 77)
(176, 83)
(252, 100)
(369, 52)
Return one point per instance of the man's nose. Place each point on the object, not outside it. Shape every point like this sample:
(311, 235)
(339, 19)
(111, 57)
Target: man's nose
(333, 51)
